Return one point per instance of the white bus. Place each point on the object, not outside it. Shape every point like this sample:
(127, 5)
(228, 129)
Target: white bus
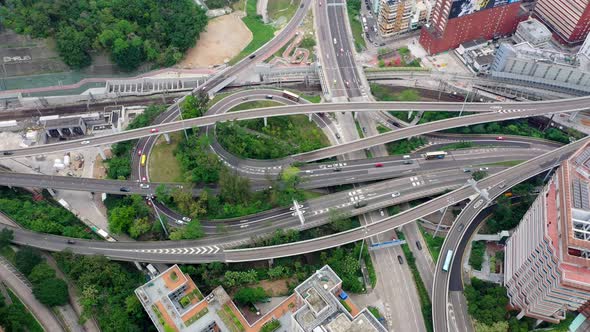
(290, 95)
(435, 155)
(448, 261)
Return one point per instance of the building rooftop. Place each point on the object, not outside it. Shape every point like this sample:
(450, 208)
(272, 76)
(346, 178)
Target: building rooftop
(63, 122)
(322, 308)
(535, 28)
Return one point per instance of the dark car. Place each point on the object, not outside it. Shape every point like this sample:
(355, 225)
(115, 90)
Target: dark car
(418, 245)
(461, 226)
(8, 153)
(71, 242)
(301, 6)
(400, 259)
(124, 189)
(252, 56)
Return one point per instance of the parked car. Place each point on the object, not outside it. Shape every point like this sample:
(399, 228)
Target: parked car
(124, 189)
(418, 245)
(400, 259)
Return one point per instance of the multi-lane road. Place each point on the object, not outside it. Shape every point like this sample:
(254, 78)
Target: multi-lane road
(492, 112)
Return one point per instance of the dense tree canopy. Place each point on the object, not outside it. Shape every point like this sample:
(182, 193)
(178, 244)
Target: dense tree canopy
(132, 31)
(51, 292)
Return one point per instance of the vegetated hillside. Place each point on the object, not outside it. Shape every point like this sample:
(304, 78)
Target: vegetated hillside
(132, 31)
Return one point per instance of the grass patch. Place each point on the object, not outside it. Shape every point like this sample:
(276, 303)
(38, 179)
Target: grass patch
(353, 7)
(314, 99)
(478, 249)
(32, 325)
(230, 320)
(254, 104)
(425, 303)
(509, 163)
(278, 8)
(261, 33)
(434, 243)
(196, 317)
(8, 253)
(311, 194)
(382, 129)
(345, 305)
(163, 165)
(358, 129)
(375, 312)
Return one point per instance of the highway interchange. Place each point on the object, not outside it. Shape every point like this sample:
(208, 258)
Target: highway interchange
(418, 180)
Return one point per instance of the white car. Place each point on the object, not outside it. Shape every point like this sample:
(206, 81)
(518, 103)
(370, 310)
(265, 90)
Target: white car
(187, 219)
(395, 194)
(180, 222)
(382, 213)
(85, 142)
(144, 186)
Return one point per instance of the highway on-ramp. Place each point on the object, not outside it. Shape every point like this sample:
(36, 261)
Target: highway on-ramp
(187, 252)
(490, 115)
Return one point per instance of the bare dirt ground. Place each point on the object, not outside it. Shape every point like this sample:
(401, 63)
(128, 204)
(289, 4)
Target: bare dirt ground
(224, 38)
(275, 287)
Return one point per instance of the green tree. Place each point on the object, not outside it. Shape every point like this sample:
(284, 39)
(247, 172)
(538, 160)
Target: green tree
(73, 47)
(479, 175)
(41, 272)
(250, 295)
(139, 227)
(26, 259)
(233, 188)
(192, 230)
(163, 193)
(128, 54)
(51, 292)
(121, 218)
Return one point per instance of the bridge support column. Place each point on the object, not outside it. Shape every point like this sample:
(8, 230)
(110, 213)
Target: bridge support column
(355, 115)
(271, 262)
(410, 114)
(265, 121)
(167, 137)
(101, 152)
(309, 117)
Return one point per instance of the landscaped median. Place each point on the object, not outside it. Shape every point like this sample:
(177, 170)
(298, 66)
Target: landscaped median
(261, 33)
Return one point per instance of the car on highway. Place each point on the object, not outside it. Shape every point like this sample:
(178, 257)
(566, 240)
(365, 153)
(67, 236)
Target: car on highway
(341, 50)
(461, 226)
(500, 138)
(154, 130)
(85, 142)
(301, 6)
(337, 136)
(382, 213)
(378, 165)
(400, 259)
(466, 170)
(187, 219)
(124, 189)
(269, 97)
(320, 3)
(71, 242)
(144, 186)
(143, 178)
(347, 83)
(395, 194)
(337, 169)
(244, 98)
(418, 245)
(364, 130)
(8, 153)
(484, 168)
(139, 152)
(252, 56)
(180, 222)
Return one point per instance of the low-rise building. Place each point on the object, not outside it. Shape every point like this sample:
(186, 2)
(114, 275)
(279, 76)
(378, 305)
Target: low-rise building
(174, 303)
(533, 32)
(553, 69)
(547, 259)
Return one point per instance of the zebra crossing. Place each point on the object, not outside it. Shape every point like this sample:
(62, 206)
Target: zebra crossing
(510, 110)
(205, 250)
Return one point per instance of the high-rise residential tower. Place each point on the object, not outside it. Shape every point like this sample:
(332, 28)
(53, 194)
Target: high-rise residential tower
(569, 20)
(547, 259)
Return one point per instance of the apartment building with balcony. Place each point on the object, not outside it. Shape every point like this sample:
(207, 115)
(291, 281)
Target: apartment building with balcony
(569, 20)
(547, 259)
(400, 16)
